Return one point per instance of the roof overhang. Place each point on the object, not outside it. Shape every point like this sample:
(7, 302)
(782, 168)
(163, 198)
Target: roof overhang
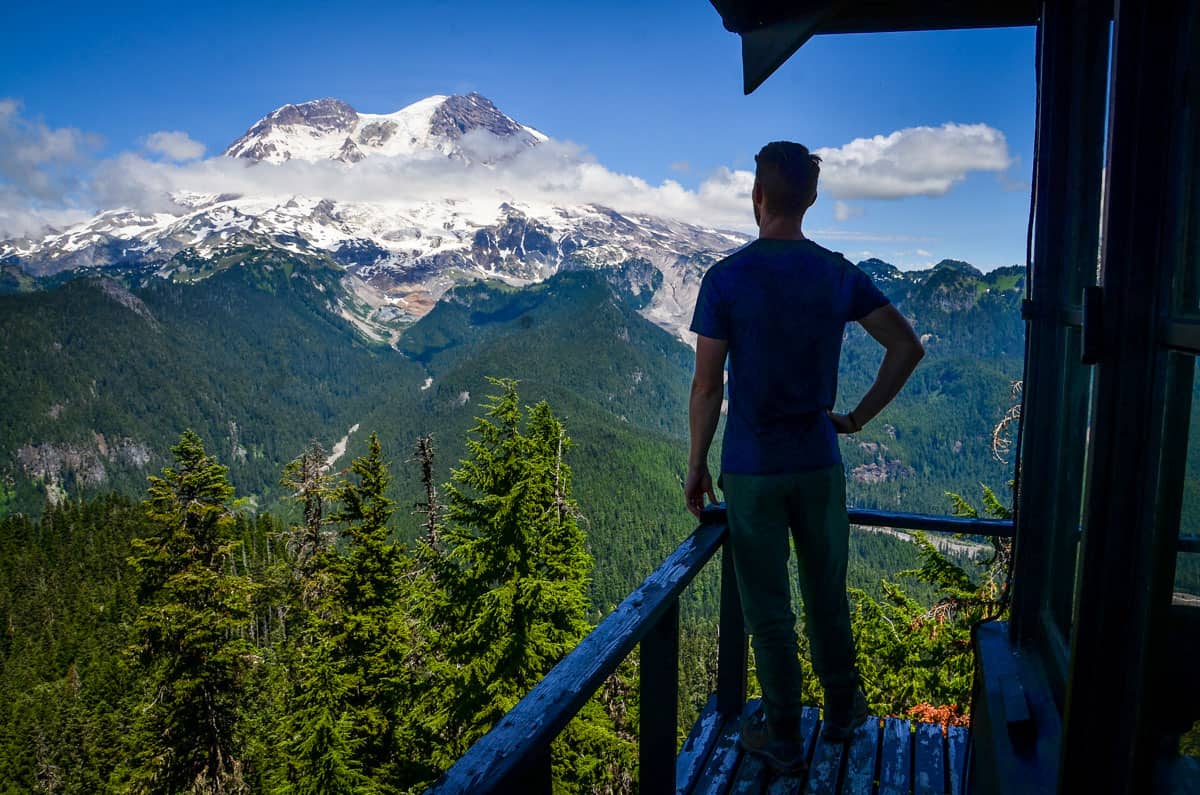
(772, 30)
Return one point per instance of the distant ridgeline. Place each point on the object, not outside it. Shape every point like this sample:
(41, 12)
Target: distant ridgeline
(99, 375)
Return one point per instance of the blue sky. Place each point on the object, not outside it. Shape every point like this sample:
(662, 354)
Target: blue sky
(650, 89)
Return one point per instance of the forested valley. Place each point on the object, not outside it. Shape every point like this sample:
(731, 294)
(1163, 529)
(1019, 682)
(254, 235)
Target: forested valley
(184, 642)
(341, 611)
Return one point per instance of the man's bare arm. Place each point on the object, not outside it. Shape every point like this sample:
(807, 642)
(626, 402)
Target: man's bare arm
(902, 352)
(704, 411)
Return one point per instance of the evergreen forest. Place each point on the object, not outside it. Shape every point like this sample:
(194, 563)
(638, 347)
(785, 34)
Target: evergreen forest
(185, 643)
(244, 549)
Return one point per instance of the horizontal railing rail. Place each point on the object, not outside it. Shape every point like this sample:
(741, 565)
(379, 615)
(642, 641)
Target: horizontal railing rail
(867, 517)
(515, 755)
(995, 528)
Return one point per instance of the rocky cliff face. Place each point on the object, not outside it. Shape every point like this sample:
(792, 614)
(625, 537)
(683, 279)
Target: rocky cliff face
(267, 139)
(82, 464)
(459, 115)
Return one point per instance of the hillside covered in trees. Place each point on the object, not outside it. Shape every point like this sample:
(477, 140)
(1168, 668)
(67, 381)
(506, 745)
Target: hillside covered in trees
(184, 643)
(323, 578)
(101, 375)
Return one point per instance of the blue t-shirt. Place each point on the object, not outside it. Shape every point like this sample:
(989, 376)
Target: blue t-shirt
(783, 306)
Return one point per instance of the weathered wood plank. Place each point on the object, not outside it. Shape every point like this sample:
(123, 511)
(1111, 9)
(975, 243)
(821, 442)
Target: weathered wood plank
(792, 784)
(722, 763)
(862, 756)
(825, 768)
(784, 785)
(810, 724)
(752, 776)
(752, 772)
(895, 755)
(538, 718)
(956, 756)
(929, 762)
(696, 748)
(1001, 528)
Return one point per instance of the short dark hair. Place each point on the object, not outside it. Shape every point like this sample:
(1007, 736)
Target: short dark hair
(788, 175)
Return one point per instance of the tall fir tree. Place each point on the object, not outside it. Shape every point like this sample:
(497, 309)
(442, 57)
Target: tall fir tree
(320, 748)
(370, 590)
(416, 633)
(516, 594)
(191, 616)
(311, 747)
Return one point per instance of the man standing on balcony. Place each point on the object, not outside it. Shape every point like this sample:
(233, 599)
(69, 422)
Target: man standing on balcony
(778, 309)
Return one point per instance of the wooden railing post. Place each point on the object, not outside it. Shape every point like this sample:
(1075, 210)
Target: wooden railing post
(657, 743)
(534, 776)
(732, 655)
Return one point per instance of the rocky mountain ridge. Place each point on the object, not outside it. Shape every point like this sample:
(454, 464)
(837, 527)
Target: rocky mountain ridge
(330, 129)
(98, 376)
(399, 255)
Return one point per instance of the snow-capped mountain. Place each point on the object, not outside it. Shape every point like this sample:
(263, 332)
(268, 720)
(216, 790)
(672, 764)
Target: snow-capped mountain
(400, 254)
(329, 129)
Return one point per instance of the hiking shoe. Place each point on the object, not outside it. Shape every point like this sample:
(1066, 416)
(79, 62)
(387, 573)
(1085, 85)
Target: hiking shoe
(844, 717)
(784, 754)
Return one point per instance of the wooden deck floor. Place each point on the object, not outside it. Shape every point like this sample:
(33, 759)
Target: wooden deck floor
(887, 756)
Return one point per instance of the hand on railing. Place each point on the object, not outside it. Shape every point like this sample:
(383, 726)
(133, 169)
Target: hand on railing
(699, 483)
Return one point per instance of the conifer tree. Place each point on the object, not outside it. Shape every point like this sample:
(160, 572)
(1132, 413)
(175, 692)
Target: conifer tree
(320, 746)
(311, 733)
(416, 633)
(916, 659)
(370, 589)
(517, 598)
(190, 614)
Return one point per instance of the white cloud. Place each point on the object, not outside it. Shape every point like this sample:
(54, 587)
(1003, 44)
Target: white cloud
(923, 253)
(40, 171)
(20, 218)
(681, 166)
(29, 150)
(46, 177)
(844, 212)
(842, 234)
(555, 172)
(915, 161)
(174, 145)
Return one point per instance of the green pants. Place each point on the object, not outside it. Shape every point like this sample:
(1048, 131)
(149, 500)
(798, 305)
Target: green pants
(761, 510)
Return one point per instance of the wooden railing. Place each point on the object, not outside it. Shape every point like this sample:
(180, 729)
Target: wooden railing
(515, 755)
(997, 528)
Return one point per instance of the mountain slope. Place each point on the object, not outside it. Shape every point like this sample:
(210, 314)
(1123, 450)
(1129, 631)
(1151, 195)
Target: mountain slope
(102, 379)
(98, 380)
(258, 359)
